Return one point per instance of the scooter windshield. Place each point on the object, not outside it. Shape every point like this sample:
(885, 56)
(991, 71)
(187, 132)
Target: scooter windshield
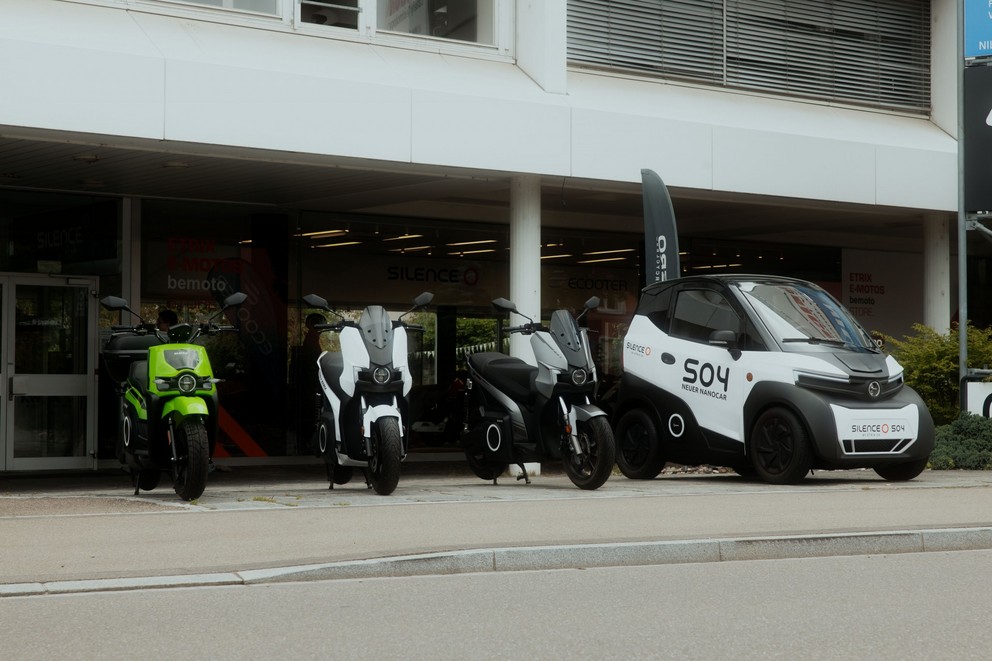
(567, 336)
(377, 333)
(806, 315)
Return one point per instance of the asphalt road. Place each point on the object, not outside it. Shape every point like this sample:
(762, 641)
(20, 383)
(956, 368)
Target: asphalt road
(925, 606)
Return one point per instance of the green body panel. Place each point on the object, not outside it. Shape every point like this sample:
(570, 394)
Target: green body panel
(138, 402)
(159, 367)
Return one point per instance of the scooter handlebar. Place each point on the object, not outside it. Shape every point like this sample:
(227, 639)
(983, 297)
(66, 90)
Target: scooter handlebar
(527, 329)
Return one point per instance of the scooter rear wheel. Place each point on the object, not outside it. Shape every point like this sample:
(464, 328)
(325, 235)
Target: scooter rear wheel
(384, 465)
(148, 479)
(192, 449)
(483, 469)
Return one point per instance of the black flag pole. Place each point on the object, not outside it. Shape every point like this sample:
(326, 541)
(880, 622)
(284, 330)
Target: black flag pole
(661, 241)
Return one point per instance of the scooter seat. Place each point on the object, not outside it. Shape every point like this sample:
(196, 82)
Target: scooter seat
(514, 377)
(331, 367)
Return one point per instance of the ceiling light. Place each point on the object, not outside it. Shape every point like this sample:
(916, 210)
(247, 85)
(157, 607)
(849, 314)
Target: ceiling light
(402, 237)
(470, 252)
(555, 256)
(471, 243)
(323, 233)
(606, 259)
(609, 252)
(337, 245)
(410, 249)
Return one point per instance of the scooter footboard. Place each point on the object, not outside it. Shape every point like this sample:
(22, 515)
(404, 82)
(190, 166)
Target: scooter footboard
(493, 436)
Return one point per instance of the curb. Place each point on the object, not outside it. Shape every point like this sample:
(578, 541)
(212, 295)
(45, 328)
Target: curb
(531, 558)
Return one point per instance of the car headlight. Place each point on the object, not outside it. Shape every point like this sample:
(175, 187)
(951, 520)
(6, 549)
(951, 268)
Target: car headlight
(381, 375)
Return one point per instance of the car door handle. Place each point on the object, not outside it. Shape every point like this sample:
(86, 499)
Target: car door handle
(667, 358)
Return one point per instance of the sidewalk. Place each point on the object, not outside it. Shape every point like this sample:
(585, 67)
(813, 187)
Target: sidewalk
(87, 532)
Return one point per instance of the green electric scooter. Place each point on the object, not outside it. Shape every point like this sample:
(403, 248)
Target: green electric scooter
(168, 394)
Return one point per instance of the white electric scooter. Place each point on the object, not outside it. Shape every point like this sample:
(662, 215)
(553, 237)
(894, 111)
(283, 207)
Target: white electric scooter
(363, 398)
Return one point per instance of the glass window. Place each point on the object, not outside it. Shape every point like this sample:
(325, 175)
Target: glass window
(803, 314)
(699, 312)
(458, 20)
(654, 305)
(260, 6)
(461, 20)
(339, 14)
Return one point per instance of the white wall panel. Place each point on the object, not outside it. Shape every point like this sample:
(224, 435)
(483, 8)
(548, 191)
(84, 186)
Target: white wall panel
(917, 179)
(614, 146)
(769, 163)
(490, 132)
(276, 110)
(76, 68)
(80, 67)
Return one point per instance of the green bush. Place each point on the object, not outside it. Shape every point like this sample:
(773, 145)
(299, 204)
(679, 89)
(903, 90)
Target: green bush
(965, 444)
(930, 363)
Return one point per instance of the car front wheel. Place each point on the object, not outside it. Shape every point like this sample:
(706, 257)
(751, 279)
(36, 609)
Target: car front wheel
(780, 448)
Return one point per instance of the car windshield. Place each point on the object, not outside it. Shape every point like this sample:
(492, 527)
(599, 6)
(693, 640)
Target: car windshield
(798, 313)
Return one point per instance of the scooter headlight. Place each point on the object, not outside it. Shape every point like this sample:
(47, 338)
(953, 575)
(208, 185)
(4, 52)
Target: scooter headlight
(579, 376)
(186, 383)
(381, 375)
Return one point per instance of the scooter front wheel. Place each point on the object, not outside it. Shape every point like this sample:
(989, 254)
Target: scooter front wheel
(193, 459)
(384, 464)
(593, 467)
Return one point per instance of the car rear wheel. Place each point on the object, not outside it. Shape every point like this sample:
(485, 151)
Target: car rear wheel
(780, 449)
(639, 455)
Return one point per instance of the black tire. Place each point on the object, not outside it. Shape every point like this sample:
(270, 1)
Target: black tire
(192, 449)
(591, 470)
(638, 448)
(901, 472)
(780, 449)
(148, 479)
(483, 469)
(384, 464)
(342, 474)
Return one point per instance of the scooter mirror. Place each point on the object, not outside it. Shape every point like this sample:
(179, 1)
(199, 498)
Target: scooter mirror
(114, 303)
(423, 299)
(504, 305)
(315, 301)
(237, 298)
(592, 303)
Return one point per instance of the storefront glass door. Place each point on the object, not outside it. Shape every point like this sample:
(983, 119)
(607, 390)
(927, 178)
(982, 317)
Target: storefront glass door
(48, 346)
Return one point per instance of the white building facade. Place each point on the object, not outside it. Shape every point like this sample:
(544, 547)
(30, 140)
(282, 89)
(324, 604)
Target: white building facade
(793, 131)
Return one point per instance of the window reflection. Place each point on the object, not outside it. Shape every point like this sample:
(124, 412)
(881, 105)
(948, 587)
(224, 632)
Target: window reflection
(461, 20)
(340, 14)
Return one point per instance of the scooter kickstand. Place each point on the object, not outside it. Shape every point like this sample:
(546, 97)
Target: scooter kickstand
(523, 474)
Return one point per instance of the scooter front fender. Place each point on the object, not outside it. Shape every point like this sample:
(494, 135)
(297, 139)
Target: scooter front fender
(373, 413)
(583, 412)
(184, 406)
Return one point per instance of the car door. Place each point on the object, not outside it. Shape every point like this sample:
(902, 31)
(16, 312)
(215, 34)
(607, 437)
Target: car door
(713, 384)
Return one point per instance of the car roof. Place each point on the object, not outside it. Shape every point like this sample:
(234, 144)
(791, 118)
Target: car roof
(724, 279)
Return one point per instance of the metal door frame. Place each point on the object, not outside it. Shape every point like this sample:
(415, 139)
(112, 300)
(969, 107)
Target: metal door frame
(10, 384)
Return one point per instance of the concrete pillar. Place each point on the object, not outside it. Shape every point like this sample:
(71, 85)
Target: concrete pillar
(525, 258)
(937, 272)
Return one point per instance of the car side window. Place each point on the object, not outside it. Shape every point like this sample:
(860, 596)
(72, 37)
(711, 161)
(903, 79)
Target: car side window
(699, 312)
(654, 305)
